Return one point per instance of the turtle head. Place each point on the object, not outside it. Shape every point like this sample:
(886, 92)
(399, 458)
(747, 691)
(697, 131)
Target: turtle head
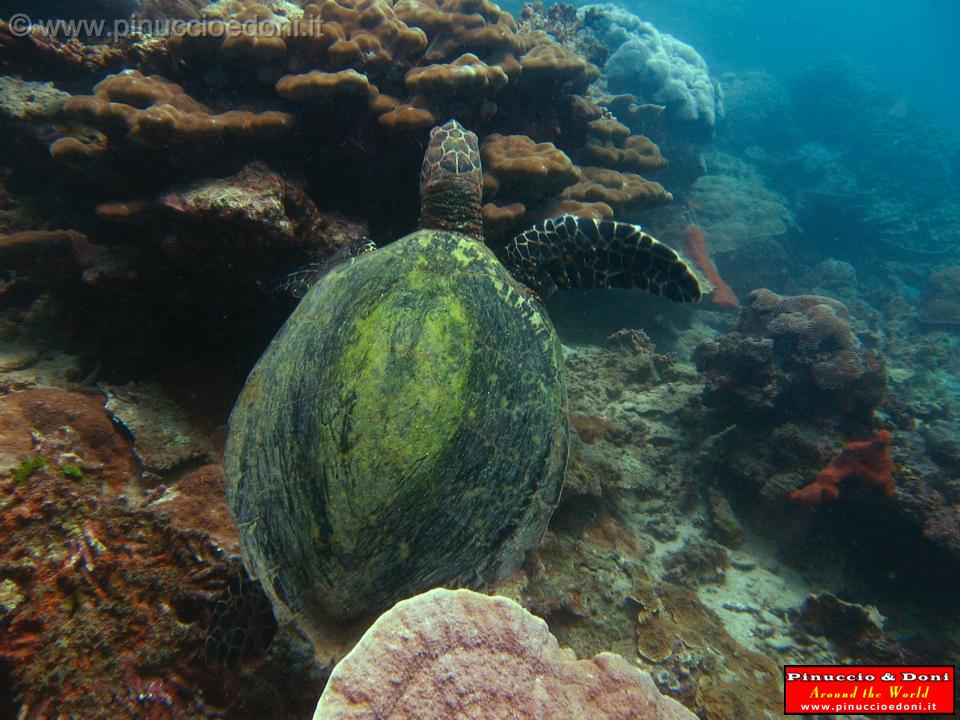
(451, 182)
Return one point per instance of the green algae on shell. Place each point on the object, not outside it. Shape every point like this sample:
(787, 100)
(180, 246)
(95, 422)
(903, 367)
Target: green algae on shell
(407, 428)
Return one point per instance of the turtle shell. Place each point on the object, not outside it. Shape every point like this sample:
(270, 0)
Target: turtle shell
(405, 429)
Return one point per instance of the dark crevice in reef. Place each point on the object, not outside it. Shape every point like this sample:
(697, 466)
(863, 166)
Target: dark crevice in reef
(9, 706)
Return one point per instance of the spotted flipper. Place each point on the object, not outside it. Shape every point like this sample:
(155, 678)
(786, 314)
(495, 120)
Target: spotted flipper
(570, 252)
(298, 282)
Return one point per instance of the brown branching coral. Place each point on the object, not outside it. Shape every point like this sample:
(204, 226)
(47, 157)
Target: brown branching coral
(550, 62)
(153, 111)
(318, 85)
(468, 74)
(624, 192)
(519, 167)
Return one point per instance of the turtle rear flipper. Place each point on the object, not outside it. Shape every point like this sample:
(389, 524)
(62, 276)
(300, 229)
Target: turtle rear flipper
(300, 281)
(569, 252)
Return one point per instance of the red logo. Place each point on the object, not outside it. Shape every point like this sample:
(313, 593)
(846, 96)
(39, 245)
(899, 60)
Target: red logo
(869, 689)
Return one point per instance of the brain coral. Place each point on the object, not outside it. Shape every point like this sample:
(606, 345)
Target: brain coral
(655, 66)
(819, 325)
(457, 653)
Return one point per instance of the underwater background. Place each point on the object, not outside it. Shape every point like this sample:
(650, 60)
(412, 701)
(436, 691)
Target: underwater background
(768, 477)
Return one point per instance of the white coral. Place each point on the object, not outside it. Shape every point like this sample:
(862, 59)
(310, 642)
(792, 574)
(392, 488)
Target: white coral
(655, 66)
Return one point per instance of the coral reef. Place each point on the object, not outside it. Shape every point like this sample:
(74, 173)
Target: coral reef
(819, 326)
(157, 193)
(941, 301)
(39, 55)
(66, 429)
(392, 71)
(626, 193)
(23, 100)
(497, 660)
(265, 224)
(867, 460)
(733, 205)
(756, 114)
(655, 67)
(523, 169)
(108, 608)
(791, 356)
(164, 437)
(132, 109)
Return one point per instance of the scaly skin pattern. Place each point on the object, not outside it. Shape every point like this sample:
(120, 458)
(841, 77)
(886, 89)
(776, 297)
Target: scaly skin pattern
(571, 252)
(451, 182)
(407, 428)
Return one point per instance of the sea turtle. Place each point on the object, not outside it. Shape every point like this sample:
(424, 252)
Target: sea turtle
(407, 427)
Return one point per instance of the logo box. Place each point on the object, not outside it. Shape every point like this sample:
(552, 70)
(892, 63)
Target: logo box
(869, 689)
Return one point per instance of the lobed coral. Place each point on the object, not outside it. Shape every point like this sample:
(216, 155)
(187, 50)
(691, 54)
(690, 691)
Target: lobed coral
(607, 145)
(517, 166)
(318, 85)
(364, 72)
(153, 111)
(626, 193)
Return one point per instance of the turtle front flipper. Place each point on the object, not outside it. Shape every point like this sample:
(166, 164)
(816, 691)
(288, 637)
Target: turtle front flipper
(570, 252)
